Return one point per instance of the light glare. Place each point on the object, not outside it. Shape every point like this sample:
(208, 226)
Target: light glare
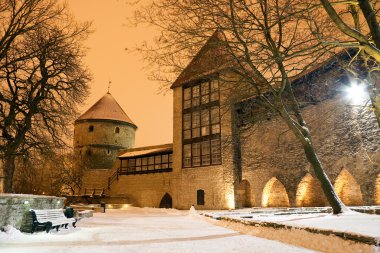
(356, 92)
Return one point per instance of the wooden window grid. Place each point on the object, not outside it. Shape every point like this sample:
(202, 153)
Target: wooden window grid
(146, 164)
(201, 124)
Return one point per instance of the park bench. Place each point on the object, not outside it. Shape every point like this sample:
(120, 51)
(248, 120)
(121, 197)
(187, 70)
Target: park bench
(50, 218)
(95, 192)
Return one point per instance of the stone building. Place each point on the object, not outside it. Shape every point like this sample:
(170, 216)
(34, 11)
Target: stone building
(102, 131)
(227, 152)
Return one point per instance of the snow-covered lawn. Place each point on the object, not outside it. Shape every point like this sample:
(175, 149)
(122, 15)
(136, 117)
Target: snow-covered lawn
(352, 222)
(141, 230)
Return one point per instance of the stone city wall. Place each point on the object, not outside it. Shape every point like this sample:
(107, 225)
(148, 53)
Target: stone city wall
(347, 142)
(14, 208)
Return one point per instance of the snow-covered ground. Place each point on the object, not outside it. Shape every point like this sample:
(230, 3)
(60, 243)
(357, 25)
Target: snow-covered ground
(352, 222)
(141, 230)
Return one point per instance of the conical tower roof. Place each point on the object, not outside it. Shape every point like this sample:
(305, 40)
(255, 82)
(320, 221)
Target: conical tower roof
(106, 108)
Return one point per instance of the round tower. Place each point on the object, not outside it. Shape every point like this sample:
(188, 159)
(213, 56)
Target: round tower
(101, 132)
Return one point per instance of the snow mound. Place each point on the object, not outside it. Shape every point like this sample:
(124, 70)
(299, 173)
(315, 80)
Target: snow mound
(192, 211)
(9, 232)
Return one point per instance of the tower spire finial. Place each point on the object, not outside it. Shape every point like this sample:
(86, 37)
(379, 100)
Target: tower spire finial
(109, 86)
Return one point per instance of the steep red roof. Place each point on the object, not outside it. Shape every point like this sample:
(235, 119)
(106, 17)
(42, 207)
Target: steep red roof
(106, 108)
(212, 57)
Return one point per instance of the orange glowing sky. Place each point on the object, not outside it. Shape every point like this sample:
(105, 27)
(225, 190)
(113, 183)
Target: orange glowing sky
(107, 59)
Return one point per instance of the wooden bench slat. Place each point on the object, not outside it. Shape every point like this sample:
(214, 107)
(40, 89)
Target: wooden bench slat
(54, 217)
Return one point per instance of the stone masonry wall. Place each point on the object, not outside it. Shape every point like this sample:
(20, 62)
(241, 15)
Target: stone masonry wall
(100, 147)
(346, 136)
(14, 208)
(144, 190)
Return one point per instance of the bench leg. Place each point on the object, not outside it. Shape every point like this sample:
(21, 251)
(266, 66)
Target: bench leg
(48, 226)
(66, 225)
(57, 228)
(74, 224)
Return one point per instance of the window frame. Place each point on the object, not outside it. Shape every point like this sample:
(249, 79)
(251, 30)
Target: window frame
(146, 165)
(204, 126)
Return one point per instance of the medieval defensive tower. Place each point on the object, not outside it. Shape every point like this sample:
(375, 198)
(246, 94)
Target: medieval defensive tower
(102, 131)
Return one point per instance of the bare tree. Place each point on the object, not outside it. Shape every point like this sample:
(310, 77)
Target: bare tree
(267, 42)
(42, 78)
(363, 36)
(52, 173)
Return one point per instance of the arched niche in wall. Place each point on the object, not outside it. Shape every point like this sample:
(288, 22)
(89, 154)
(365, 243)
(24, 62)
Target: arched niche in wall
(377, 190)
(348, 189)
(243, 194)
(274, 194)
(200, 197)
(166, 201)
(309, 192)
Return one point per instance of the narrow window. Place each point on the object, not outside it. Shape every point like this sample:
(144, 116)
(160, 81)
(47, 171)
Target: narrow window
(215, 151)
(214, 90)
(187, 155)
(151, 163)
(91, 128)
(187, 126)
(144, 162)
(138, 164)
(195, 96)
(117, 130)
(187, 98)
(132, 165)
(200, 197)
(196, 152)
(195, 124)
(205, 118)
(170, 160)
(205, 91)
(206, 152)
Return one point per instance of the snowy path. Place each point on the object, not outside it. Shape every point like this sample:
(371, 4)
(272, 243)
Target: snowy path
(142, 230)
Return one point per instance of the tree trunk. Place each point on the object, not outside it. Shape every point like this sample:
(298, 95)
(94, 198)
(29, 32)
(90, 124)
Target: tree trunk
(8, 171)
(335, 202)
(370, 16)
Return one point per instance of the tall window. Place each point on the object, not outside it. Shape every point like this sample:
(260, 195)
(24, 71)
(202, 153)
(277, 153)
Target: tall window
(201, 124)
(200, 197)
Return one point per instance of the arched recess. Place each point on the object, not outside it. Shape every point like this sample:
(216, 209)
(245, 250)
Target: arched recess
(166, 201)
(377, 190)
(309, 192)
(200, 197)
(274, 194)
(348, 189)
(243, 194)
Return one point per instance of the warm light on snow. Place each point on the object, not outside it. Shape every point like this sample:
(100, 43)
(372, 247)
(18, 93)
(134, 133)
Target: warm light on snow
(356, 92)
(148, 230)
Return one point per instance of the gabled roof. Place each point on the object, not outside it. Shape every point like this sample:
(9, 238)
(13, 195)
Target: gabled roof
(106, 108)
(149, 150)
(211, 58)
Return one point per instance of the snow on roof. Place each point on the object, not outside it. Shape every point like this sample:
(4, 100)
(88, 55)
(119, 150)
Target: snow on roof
(106, 108)
(150, 150)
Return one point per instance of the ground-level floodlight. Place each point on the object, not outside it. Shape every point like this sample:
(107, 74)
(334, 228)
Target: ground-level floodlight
(356, 92)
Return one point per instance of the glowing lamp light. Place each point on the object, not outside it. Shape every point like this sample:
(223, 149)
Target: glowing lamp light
(356, 92)
(231, 201)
